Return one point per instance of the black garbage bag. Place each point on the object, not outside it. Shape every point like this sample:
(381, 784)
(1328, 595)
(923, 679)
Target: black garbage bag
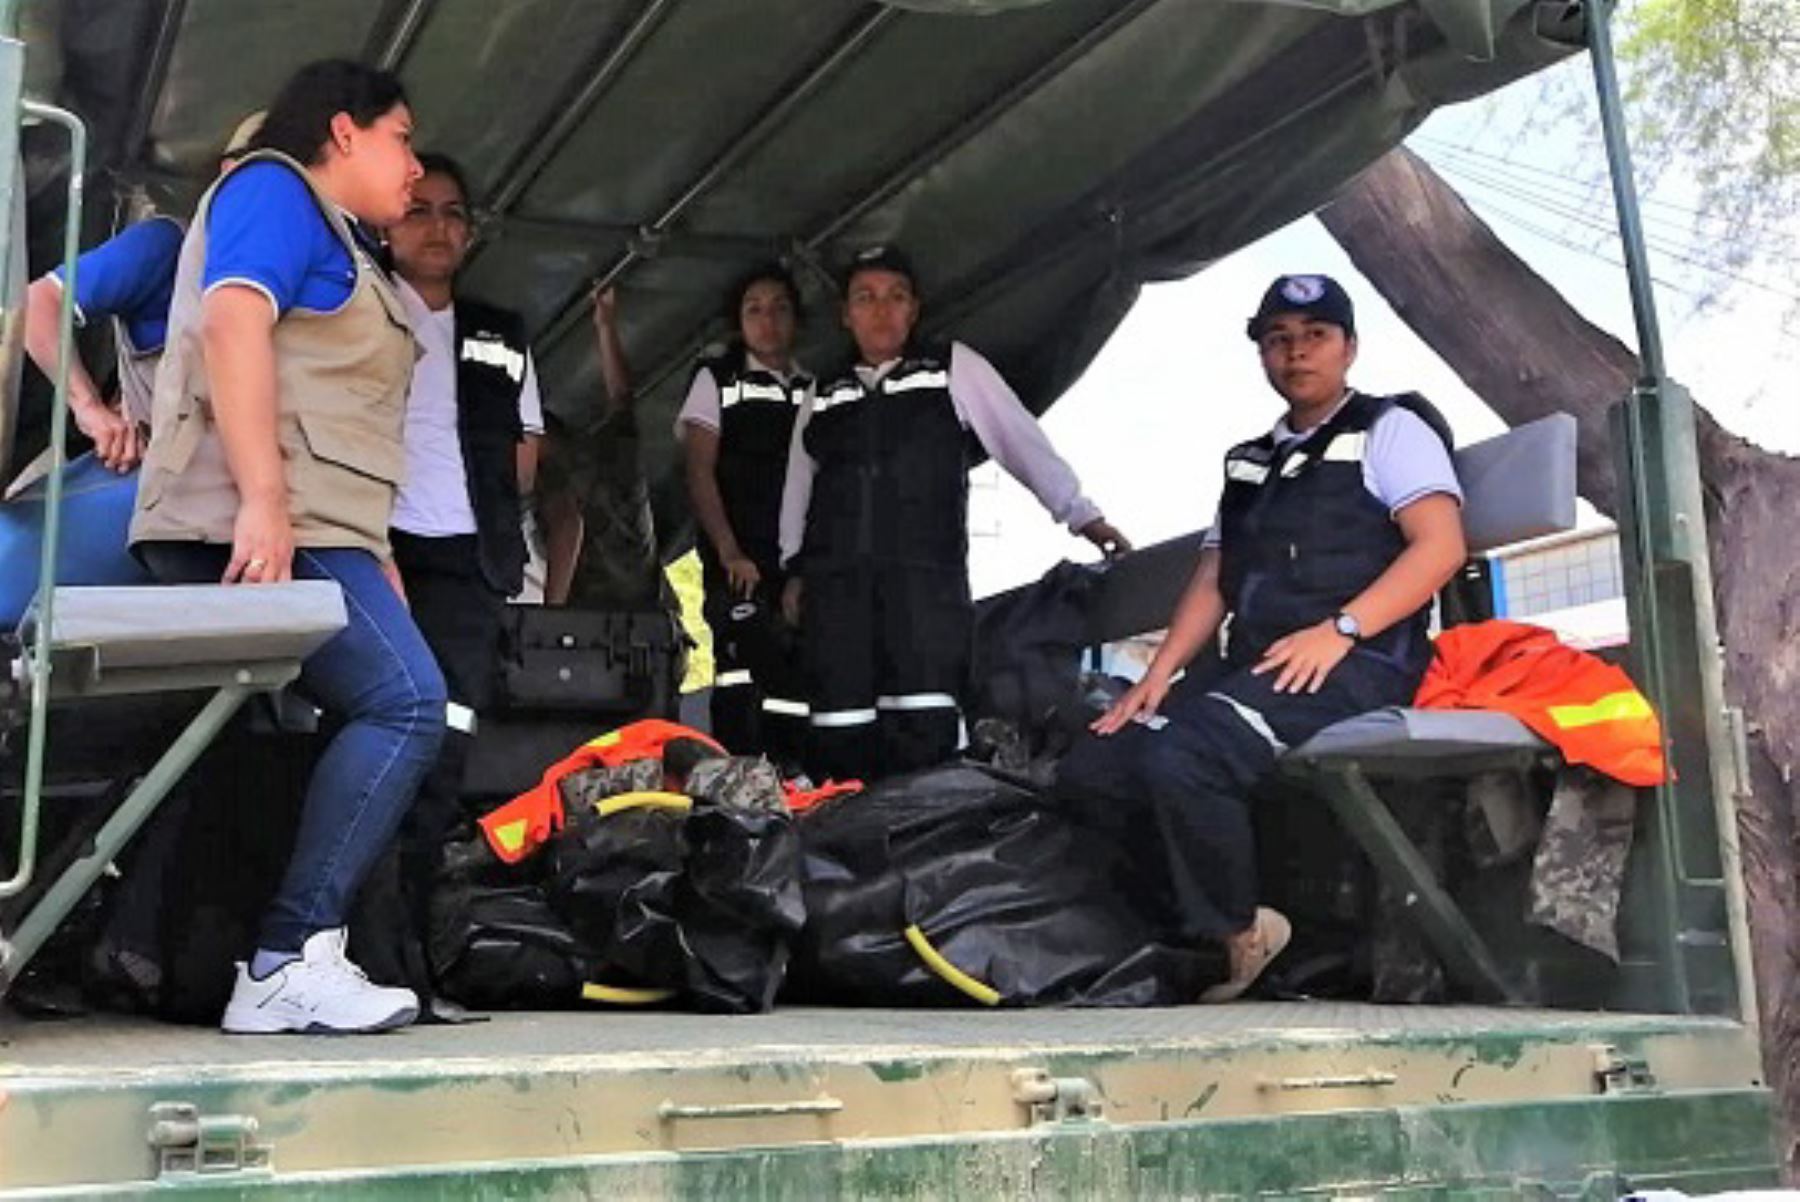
(740, 900)
(1025, 698)
(613, 878)
(499, 948)
(998, 886)
(705, 901)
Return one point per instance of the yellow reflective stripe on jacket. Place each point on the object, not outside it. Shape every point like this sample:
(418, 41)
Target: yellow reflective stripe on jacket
(1615, 707)
(512, 835)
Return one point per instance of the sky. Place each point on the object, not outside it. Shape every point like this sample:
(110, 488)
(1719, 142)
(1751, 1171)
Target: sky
(1145, 430)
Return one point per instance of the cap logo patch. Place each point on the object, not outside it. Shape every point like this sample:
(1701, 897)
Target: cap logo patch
(1302, 289)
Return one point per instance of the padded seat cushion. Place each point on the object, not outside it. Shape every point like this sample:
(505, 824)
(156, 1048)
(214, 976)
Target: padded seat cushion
(177, 625)
(1437, 741)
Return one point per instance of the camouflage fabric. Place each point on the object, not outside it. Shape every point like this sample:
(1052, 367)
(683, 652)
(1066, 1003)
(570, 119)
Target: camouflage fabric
(739, 783)
(1579, 870)
(620, 565)
(1500, 822)
(581, 791)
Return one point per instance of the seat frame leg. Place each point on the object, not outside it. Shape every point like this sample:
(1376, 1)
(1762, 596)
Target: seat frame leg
(1368, 820)
(42, 919)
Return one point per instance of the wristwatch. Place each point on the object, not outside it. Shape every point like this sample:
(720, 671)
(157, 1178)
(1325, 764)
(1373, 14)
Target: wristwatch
(1345, 623)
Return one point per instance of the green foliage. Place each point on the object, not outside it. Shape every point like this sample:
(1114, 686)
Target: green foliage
(1713, 88)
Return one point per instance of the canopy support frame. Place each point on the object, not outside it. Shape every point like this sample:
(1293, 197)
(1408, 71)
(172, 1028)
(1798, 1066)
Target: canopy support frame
(1675, 640)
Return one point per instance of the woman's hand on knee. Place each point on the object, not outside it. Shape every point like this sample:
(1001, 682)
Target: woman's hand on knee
(262, 544)
(1139, 704)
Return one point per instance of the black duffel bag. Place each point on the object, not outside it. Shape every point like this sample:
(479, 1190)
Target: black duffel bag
(956, 886)
(504, 948)
(601, 663)
(566, 675)
(701, 899)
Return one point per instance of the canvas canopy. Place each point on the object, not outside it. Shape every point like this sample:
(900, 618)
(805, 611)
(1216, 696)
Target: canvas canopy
(1040, 159)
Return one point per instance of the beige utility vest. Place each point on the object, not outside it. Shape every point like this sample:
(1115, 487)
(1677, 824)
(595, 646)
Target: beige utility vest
(137, 377)
(340, 381)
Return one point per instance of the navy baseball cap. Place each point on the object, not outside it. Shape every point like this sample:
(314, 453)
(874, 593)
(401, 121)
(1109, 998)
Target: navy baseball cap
(1316, 296)
(882, 257)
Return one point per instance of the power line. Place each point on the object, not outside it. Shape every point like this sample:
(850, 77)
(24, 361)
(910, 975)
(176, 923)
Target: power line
(1589, 221)
(1586, 201)
(1561, 180)
(1591, 252)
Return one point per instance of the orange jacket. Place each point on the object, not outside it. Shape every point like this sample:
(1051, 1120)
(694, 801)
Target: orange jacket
(1585, 707)
(525, 823)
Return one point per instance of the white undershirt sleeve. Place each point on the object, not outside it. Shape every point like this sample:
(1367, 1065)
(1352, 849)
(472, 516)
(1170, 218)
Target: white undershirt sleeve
(701, 406)
(986, 404)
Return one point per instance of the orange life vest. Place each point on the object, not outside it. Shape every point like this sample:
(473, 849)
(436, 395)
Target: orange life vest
(1586, 708)
(527, 822)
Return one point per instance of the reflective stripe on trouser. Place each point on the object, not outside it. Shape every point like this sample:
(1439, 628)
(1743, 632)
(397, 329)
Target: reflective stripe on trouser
(1178, 796)
(757, 680)
(887, 653)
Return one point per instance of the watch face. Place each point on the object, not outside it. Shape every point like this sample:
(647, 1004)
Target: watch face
(1347, 626)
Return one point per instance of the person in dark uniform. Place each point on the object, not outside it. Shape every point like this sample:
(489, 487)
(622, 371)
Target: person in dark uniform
(737, 425)
(875, 526)
(1309, 605)
(474, 422)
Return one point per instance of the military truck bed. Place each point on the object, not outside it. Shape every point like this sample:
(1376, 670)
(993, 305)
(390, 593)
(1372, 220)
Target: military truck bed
(809, 1102)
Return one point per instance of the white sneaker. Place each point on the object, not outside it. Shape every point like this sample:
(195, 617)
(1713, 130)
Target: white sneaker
(320, 993)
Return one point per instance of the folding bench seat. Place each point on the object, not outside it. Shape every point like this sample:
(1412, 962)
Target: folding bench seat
(153, 644)
(1516, 486)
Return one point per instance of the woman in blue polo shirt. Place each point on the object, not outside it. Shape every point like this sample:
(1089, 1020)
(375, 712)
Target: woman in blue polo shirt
(127, 278)
(276, 446)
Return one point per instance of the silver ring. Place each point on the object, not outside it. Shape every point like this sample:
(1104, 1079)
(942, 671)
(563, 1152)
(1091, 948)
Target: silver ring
(256, 565)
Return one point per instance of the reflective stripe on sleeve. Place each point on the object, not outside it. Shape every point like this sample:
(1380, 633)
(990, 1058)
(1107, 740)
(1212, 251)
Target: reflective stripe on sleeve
(732, 679)
(787, 709)
(835, 718)
(916, 701)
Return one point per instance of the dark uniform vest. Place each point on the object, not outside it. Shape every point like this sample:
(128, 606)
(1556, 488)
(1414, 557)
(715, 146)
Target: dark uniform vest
(490, 372)
(756, 423)
(1302, 535)
(893, 478)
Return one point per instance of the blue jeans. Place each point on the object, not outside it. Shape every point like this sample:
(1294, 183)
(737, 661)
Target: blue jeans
(378, 679)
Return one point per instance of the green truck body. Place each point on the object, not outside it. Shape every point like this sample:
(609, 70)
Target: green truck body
(1278, 103)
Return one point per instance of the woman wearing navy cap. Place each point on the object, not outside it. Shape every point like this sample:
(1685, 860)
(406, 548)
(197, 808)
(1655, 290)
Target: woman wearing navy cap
(1308, 606)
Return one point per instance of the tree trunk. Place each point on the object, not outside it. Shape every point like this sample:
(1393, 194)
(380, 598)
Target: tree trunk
(1527, 353)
